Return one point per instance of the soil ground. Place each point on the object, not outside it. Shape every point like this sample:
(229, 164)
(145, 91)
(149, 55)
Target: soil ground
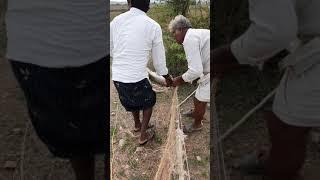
(237, 94)
(134, 162)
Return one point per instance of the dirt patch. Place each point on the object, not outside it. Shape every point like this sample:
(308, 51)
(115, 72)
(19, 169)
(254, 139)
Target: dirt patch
(237, 94)
(131, 161)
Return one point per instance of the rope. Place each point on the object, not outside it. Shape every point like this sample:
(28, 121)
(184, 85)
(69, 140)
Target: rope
(187, 98)
(247, 115)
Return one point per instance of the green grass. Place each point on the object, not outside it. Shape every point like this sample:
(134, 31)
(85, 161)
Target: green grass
(158, 139)
(140, 177)
(195, 163)
(133, 163)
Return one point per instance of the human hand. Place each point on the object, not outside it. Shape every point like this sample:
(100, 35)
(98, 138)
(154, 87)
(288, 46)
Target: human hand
(177, 81)
(223, 60)
(168, 79)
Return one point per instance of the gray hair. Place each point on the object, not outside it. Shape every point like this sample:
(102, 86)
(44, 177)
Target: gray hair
(179, 22)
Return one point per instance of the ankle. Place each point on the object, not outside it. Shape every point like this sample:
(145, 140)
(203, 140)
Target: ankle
(197, 124)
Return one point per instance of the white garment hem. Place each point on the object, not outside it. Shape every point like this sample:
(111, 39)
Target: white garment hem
(294, 121)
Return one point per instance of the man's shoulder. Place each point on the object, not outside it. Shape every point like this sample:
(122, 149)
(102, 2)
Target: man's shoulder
(200, 30)
(152, 22)
(197, 33)
(119, 17)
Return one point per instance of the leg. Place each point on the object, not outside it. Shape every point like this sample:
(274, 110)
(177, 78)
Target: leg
(145, 122)
(288, 149)
(136, 118)
(198, 113)
(83, 167)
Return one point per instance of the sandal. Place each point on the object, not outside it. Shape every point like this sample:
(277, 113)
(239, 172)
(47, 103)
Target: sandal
(187, 113)
(189, 128)
(150, 136)
(252, 163)
(138, 129)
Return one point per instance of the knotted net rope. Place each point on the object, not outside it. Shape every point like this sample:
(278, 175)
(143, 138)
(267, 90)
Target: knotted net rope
(173, 163)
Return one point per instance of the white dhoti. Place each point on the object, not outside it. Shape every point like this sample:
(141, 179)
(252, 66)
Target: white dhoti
(297, 100)
(203, 90)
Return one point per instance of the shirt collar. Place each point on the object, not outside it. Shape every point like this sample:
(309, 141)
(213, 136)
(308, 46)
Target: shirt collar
(136, 11)
(185, 37)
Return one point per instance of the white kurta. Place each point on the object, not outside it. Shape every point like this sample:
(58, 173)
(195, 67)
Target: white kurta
(133, 35)
(275, 24)
(196, 45)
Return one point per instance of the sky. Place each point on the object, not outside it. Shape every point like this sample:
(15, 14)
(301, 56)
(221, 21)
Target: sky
(126, 0)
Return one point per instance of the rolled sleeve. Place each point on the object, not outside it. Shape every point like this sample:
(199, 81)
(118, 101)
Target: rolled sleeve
(191, 75)
(273, 27)
(158, 53)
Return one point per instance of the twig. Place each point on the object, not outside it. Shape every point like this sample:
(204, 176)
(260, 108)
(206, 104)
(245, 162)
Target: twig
(186, 98)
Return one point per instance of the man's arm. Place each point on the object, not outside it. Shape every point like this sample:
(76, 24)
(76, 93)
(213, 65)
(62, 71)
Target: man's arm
(159, 57)
(111, 39)
(273, 28)
(223, 60)
(195, 68)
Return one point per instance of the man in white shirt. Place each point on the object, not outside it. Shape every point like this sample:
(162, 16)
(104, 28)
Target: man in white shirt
(196, 44)
(132, 36)
(58, 51)
(276, 25)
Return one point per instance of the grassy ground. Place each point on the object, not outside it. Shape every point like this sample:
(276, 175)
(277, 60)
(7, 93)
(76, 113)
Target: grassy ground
(133, 162)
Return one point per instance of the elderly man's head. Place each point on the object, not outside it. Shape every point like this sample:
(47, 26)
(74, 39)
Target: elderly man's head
(178, 27)
(143, 5)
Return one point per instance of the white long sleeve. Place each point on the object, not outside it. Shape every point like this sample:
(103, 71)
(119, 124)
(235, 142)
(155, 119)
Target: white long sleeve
(197, 49)
(274, 26)
(158, 53)
(133, 38)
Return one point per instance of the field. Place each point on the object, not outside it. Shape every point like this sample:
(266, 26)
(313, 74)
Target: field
(129, 160)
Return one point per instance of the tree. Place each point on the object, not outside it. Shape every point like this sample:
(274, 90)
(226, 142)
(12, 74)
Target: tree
(179, 6)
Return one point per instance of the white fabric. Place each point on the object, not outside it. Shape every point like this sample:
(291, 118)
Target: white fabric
(132, 36)
(196, 45)
(275, 24)
(203, 90)
(57, 33)
(297, 100)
